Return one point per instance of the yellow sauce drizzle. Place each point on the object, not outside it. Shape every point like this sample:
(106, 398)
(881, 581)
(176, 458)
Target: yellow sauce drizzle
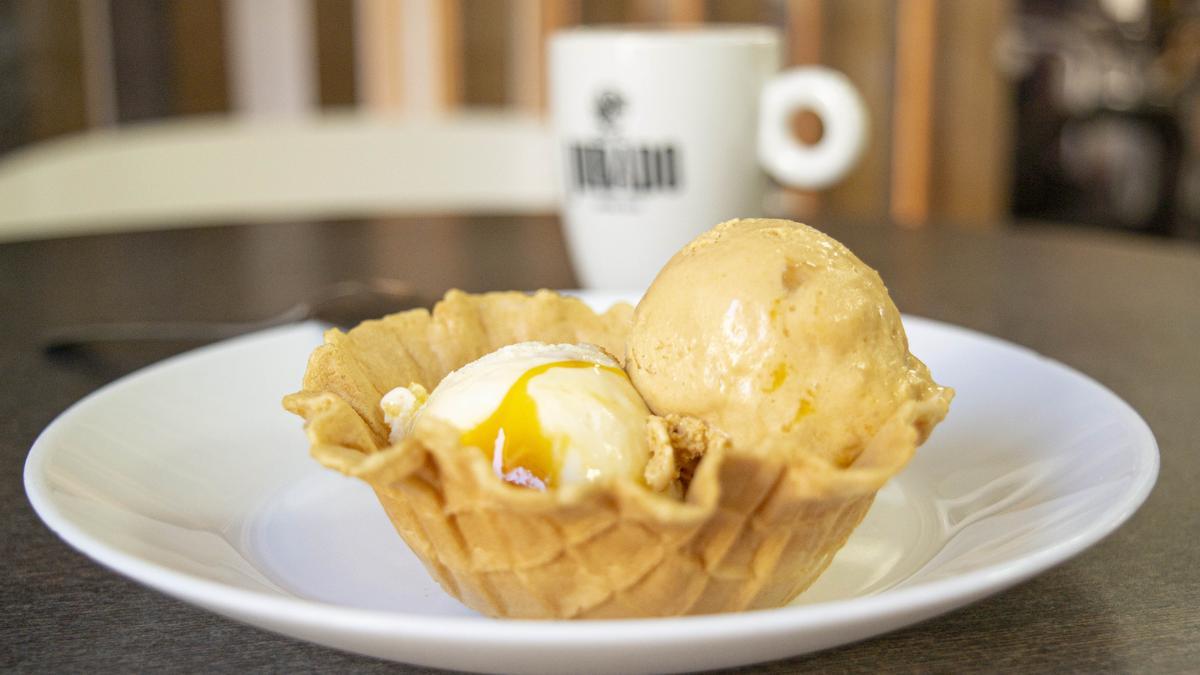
(778, 377)
(803, 410)
(525, 444)
(774, 312)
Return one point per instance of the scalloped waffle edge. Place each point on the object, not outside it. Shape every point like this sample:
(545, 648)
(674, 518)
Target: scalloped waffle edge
(752, 532)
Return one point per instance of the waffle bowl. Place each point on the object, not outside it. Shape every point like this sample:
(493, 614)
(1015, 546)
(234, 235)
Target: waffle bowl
(752, 531)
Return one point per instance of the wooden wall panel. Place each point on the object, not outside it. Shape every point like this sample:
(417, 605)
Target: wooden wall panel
(378, 57)
(804, 32)
(743, 11)
(335, 53)
(677, 12)
(912, 116)
(533, 22)
(860, 44)
(804, 28)
(606, 11)
(448, 23)
(487, 37)
(141, 59)
(973, 116)
(14, 116)
(99, 76)
(410, 55)
(198, 74)
(51, 49)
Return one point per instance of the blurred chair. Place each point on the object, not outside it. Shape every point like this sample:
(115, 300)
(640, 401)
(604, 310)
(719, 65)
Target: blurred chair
(195, 171)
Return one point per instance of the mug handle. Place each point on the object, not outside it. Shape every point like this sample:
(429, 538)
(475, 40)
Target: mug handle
(831, 96)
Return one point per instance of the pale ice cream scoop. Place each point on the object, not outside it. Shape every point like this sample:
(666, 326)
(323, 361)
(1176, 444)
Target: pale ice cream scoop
(779, 336)
(545, 415)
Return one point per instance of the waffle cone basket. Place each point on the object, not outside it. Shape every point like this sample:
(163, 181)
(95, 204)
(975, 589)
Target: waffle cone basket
(751, 532)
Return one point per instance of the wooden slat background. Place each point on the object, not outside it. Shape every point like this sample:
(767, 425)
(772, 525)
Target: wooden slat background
(859, 42)
(488, 71)
(925, 68)
(912, 106)
(50, 41)
(973, 113)
(335, 53)
(141, 58)
(13, 92)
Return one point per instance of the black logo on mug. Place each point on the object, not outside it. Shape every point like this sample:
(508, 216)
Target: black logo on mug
(610, 163)
(609, 106)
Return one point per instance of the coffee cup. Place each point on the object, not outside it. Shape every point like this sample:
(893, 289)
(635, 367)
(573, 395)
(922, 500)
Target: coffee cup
(663, 133)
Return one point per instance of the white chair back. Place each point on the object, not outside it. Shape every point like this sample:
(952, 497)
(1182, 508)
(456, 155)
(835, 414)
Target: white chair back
(199, 171)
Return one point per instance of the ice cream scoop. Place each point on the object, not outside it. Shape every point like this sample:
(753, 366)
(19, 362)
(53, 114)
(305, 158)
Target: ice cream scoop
(779, 336)
(544, 415)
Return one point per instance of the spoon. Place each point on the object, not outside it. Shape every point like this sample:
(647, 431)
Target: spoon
(343, 304)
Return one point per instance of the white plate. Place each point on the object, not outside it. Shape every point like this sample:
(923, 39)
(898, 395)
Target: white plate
(188, 477)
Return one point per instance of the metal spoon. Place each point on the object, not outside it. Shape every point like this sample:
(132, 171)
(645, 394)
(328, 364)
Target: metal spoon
(344, 304)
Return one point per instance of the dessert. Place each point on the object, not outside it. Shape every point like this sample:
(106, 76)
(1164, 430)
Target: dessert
(544, 415)
(792, 343)
(730, 510)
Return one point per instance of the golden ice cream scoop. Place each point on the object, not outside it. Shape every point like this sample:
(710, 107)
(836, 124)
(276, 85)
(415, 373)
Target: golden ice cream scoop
(779, 336)
(544, 415)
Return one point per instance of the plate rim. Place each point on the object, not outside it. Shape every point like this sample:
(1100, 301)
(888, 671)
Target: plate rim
(938, 595)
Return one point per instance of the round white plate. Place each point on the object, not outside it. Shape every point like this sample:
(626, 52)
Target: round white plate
(189, 478)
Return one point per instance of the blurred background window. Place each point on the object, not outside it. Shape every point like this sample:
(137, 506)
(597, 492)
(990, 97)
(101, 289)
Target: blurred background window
(982, 111)
(1106, 124)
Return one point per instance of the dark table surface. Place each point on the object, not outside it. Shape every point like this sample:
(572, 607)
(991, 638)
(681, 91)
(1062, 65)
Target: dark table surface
(1125, 311)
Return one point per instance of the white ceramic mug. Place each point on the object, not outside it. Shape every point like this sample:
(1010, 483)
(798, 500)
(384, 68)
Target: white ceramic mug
(664, 133)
